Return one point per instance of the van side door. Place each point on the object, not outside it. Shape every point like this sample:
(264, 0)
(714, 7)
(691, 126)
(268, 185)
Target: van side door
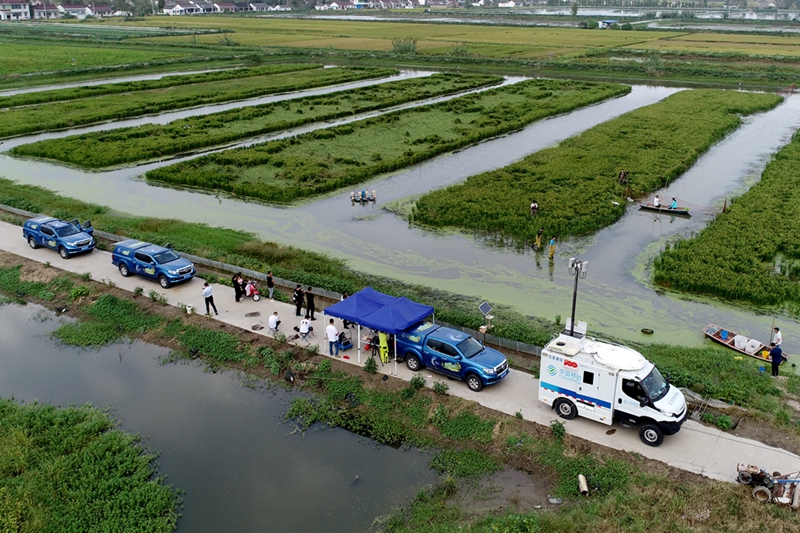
(443, 358)
(48, 237)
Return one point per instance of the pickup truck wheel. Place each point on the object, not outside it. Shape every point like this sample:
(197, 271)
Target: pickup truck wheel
(32, 242)
(123, 269)
(63, 253)
(474, 383)
(651, 435)
(413, 364)
(565, 409)
(162, 279)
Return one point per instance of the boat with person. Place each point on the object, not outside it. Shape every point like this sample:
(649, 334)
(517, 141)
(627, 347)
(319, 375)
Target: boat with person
(740, 343)
(678, 211)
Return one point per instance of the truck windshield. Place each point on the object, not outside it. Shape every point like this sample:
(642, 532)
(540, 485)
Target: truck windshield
(166, 257)
(469, 347)
(67, 231)
(655, 385)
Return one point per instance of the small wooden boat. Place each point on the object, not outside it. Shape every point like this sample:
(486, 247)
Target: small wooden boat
(678, 211)
(740, 343)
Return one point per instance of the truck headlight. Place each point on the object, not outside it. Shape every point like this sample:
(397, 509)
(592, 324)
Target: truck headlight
(173, 272)
(489, 371)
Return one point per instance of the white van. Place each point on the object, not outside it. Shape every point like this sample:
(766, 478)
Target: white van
(606, 382)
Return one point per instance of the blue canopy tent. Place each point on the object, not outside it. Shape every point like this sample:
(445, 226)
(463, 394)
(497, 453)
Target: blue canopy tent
(380, 312)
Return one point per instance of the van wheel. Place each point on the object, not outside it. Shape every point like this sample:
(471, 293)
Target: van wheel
(651, 435)
(565, 409)
(413, 364)
(474, 383)
(162, 279)
(63, 253)
(32, 242)
(123, 269)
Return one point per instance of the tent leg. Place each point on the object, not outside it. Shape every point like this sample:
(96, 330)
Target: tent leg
(359, 344)
(395, 354)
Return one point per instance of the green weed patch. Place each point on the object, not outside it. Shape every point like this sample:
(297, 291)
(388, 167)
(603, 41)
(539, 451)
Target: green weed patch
(127, 145)
(11, 283)
(71, 470)
(576, 184)
(324, 160)
(466, 463)
(59, 115)
(751, 252)
(111, 319)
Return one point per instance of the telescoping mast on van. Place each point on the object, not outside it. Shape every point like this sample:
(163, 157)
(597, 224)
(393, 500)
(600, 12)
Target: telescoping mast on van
(607, 382)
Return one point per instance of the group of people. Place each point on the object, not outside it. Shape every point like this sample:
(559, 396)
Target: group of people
(775, 352)
(301, 298)
(537, 245)
(673, 205)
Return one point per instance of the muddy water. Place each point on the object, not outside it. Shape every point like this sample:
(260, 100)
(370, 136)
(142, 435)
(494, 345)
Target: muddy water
(613, 299)
(223, 443)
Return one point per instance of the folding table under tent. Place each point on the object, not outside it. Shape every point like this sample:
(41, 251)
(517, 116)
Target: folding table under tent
(380, 312)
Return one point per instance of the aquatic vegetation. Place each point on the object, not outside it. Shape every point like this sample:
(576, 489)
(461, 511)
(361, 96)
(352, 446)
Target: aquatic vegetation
(127, 145)
(328, 159)
(71, 469)
(57, 115)
(576, 183)
(751, 252)
(466, 463)
(73, 93)
(111, 318)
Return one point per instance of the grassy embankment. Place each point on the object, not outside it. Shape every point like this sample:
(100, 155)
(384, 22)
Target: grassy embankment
(245, 250)
(575, 183)
(128, 145)
(56, 115)
(71, 469)
(751, 252)
(629, 493)
(328, 159)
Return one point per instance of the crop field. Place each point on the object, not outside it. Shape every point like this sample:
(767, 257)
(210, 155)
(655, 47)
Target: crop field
(575, 184)
(70, 469)
(50, 56)
(59, 115)
(86, 30)
(706, 47)
(60, 95)
(128, 145)
(328, 159)
(751, 252)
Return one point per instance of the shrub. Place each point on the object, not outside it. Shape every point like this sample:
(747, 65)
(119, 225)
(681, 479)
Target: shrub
(370, 365)
(440, 387)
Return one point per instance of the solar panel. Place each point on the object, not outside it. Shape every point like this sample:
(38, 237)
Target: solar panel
(485, 308)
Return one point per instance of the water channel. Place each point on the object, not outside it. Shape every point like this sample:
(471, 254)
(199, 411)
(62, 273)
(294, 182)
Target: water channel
(242, 469)
(615, 298)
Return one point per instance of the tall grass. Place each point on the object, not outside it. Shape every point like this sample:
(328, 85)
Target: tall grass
(324, 160)
(576, 184)
(127, 145)
(59, 115)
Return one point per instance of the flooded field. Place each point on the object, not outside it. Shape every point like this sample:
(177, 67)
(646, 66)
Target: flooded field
(221, 441)
(615, 299)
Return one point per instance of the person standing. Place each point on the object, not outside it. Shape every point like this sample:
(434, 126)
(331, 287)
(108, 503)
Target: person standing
(332, 334)
(237, 288)
(538, 244)
(310, 308)
(270, 284)
(345, 323)
(209, 298)
(776, 354)
(534, 208)
(777, 338)
(297, 298)
(552, 247)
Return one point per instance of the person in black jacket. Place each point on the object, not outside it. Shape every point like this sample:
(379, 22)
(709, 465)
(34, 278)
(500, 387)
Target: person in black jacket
(297, 298)
(776, 355)
(238, 286)
(310, 304)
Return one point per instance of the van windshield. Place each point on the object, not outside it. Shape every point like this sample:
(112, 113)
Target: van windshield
(67, 231)
(469, 347)
(655, 385)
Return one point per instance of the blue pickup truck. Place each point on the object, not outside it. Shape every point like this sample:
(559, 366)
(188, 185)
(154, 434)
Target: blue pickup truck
(452, 353)
(151, 261)
(67, 238)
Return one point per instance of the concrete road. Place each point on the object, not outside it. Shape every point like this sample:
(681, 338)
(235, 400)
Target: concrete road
(696, 448)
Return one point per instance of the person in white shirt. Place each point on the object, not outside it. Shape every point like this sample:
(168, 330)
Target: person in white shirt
(274, 321)
(306, 327)
(332, 334)
(777, 338)
(209, 297)
(657, 202)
